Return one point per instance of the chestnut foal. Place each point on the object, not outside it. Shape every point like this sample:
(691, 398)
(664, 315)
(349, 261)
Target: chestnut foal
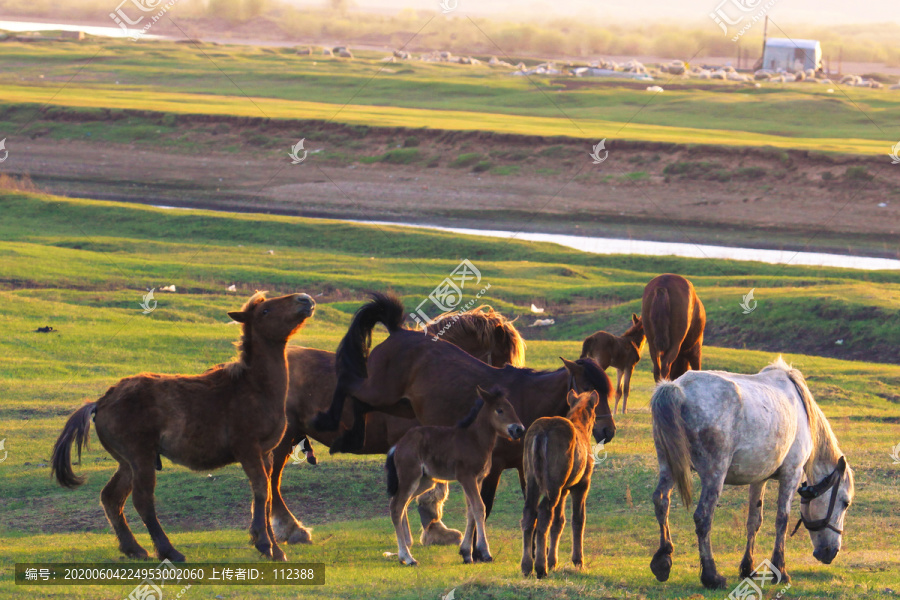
(558, 460)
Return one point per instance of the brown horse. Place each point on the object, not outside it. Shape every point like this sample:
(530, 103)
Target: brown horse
(410, 375)
(231, 413)
(427, 454)
(674, 319)
(622, 352)
(482, 332)
(558, 461)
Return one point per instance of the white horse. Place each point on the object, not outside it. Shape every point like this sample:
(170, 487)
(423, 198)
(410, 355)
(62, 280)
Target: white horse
(745, 430)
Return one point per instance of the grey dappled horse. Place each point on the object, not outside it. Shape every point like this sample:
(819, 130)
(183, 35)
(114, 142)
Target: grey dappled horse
(746, 430)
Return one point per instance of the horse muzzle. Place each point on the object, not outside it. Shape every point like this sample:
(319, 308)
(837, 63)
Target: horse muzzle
(826, 555)
(305, 304)
(604, 435)
(516, 431)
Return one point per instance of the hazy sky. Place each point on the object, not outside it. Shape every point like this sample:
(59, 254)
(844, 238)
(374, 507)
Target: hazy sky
(789, 11)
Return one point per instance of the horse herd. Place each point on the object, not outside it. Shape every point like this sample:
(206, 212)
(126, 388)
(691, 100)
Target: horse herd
(465, 408)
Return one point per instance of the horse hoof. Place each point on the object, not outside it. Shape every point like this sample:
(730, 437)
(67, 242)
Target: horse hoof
(265, 549)
(172, 554)
(278, 554)
(746, 568)
(540, 573)
(713, 582)
(661, 565)
(483, 558)
(527, 569)
(300, 536)
(134, 552)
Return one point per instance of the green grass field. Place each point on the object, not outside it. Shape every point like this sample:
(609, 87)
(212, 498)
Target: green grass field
(40, 79)
(84, 266)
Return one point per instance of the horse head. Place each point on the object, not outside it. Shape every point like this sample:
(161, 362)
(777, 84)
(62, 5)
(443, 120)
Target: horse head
(823, 507)
(586, 375)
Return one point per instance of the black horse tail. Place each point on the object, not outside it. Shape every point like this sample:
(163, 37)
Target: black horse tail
(393, 481)
(353, 351)
(77, 429)
(659, 317)
(670, 437)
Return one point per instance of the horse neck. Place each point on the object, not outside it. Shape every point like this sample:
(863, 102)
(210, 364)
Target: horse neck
(825, 451)
(536, 394)
(268, 369)
(482, 430)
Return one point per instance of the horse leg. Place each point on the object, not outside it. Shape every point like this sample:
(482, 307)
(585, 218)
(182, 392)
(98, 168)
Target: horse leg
(754, 520)
(545, 515)
(694, 356)
(488, 492)
(277, 552)
(431, 511)
(113, 499)
(476, 508)
(529, 520)
(626, 388)
(579, 514)
(253, 463)
(787, 487)
(354, 438)
(556, 529)
(661, 564)
(398, 508)
(286, 527)
(713, 480)
(465, 549)
(679, 367)
(618, 391)
(144, 482)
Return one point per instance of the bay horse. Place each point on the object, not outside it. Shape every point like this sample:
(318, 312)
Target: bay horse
(410, 375)
(622, 352)
(745, 430)
(231, 413)
(482, 332)
(428, 454)
(674, 319)
(558, 461)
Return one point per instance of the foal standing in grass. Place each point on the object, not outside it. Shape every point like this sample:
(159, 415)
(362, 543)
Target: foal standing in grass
(558, 460)
(427, 455)
(231, 413)
(622, 352)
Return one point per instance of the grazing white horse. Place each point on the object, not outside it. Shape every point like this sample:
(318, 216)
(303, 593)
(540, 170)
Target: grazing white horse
(746, 430)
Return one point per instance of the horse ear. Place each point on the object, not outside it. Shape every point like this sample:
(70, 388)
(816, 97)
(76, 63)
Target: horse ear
(572, 399)
(239, 316)
(635, 319)
(594, 399)
(842, 465)
(485, 395)
(571, 367)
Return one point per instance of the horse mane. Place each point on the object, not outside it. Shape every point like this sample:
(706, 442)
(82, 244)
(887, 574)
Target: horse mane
(239, 365)
(488, 327)
(824, 443)
(473, 414)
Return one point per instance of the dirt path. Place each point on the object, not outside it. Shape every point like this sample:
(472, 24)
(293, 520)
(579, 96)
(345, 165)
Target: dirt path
(643, 191)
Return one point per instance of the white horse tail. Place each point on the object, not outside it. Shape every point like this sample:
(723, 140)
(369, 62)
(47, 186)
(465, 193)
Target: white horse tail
(670, 437)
